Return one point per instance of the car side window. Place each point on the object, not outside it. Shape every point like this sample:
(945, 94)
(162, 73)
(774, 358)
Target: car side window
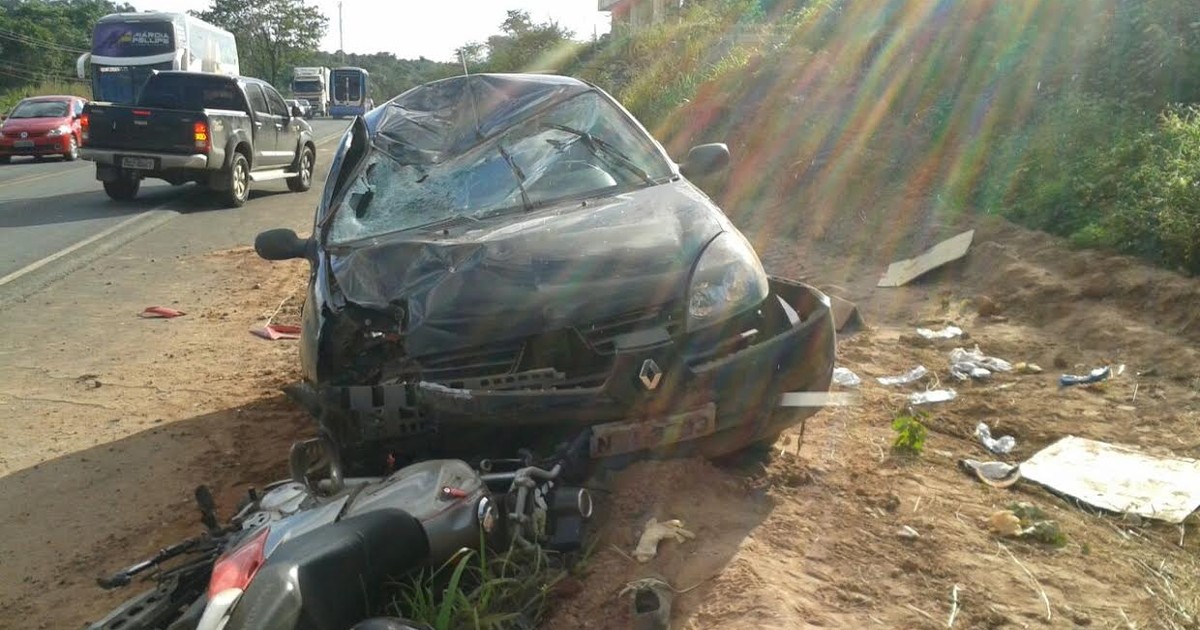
(278, 107)
(258, 101)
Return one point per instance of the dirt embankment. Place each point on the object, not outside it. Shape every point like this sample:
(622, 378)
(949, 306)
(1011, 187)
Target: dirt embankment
(813, 537)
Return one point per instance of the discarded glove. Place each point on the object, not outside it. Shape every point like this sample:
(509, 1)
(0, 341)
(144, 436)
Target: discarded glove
(655, 532)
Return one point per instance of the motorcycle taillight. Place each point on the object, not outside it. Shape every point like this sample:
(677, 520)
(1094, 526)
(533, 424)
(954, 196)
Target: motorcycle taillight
(235, 568)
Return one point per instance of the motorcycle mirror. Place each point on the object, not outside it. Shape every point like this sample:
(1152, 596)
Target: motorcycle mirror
(314, 461)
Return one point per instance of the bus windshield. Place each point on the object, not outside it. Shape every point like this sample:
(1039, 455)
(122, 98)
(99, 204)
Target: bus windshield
(306, 86)
(121, 84)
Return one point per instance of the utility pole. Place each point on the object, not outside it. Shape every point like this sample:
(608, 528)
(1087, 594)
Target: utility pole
(341, 35)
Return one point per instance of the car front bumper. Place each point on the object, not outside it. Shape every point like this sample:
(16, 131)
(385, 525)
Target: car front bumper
(41, 145)
(710, 407)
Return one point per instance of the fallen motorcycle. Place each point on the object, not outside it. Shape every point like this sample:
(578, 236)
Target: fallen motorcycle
(314, 551)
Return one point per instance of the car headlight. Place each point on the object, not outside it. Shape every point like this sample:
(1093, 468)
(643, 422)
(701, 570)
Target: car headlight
(1, 135)
(728, 280)
(59, 131)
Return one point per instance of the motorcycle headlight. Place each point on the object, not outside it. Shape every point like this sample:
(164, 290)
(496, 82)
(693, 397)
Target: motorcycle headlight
(59, 131)
(728, 280)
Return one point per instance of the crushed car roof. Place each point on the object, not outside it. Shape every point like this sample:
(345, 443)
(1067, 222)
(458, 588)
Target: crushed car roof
(430, 122)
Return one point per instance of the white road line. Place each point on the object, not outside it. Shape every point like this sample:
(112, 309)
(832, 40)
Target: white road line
(34, 266)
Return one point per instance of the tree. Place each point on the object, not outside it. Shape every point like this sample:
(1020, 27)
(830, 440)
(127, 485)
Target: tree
(523, 45)
(40, 39)
(271, 34)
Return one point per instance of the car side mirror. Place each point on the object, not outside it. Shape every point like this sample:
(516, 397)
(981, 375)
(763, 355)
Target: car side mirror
(316, 465)
(281, 244)
(705, 159)
(296, 112)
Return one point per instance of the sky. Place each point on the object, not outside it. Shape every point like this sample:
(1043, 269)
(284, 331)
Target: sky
(434, 30)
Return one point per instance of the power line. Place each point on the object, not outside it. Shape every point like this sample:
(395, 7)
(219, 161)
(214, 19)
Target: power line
(31, 41)
(26, 75)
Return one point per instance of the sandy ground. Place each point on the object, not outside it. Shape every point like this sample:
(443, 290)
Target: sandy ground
(139, 412)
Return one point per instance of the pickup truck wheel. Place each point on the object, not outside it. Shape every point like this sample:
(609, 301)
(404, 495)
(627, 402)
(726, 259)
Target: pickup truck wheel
(303, 179)
(124, 188)
(239, 181)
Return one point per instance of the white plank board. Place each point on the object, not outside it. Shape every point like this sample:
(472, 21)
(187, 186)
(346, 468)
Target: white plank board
(904, 271)
(1118, 478)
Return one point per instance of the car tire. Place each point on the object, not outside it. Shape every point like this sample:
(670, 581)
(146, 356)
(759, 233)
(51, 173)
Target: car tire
(124, 188)
(303, 179)
(72, 153)
(238, 176)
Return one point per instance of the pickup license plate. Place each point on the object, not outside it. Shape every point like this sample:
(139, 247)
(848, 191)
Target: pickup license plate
(23, 144)
(139, 163)
(618, 438)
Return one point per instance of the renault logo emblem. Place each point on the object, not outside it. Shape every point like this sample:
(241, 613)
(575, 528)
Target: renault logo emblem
(650, 375)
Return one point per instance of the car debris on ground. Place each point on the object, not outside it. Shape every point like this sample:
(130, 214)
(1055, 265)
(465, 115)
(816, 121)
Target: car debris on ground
(275, 332)
(847, 319)
(844, 377)
(902, 272)
(995, 474)
(1120, 479)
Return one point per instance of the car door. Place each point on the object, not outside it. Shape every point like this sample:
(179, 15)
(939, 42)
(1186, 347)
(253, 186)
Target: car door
(266, 128)
(289, 128)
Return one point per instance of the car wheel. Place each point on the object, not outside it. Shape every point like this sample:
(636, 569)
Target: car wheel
(239, 181)
(303, 179)
(124, 188)
(72, 153)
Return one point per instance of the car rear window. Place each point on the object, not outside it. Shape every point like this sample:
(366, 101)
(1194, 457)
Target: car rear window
(171, 91)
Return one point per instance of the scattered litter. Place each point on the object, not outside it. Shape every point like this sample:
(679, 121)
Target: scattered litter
(902, 272)
(1118, 478)
(910, 376)
(655, 532)
(275, 332)
(846, 317)
(908, 533)
(966, 364)
(1027, 368)
(995, 474)
(932, 396)
(1000, 446)
(1022, 520)
(160, 312)
(844, 377)
(949, 332)
(1095, 376)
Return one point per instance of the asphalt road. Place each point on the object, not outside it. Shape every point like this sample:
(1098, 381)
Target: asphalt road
(52, 210)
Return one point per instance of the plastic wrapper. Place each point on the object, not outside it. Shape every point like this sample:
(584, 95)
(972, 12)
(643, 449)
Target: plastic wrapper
(910, 376)
(932, 396)
(966, 364)
(1001, 445)
(949, 332)
(1095, 376)
(844, 377)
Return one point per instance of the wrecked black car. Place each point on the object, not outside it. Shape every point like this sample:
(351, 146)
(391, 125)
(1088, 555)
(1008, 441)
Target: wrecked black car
(496, 257)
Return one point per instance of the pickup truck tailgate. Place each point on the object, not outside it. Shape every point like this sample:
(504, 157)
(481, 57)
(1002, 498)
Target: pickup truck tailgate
(142, 129)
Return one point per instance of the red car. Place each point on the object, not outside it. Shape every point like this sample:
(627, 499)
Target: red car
(41, 126)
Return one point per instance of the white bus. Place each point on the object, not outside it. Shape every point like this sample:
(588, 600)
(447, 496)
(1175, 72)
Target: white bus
(127, 47)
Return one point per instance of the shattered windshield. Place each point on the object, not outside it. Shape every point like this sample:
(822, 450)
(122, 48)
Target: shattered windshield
(580, 147)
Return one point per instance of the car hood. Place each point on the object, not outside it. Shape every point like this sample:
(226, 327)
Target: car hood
(32, 125)
(519, 275)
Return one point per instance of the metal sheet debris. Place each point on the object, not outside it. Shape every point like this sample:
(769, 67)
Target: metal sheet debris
(910, 376)
(846, 317)
(902, 272)
(932, 396)
(1118, 478)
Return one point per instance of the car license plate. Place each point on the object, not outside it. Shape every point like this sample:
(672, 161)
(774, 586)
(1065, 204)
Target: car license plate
(140, 163)
(23, 144)
(618, 438)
